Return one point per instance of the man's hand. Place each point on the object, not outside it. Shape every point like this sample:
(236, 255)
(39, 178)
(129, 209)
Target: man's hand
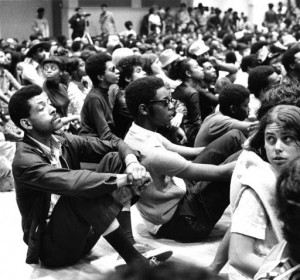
(137, 174)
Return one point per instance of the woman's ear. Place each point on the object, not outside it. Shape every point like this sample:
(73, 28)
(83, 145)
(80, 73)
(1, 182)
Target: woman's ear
(100, 78)
(188, 73)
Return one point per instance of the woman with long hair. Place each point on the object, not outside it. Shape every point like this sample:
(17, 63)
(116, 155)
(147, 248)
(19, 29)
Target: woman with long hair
(255, 227)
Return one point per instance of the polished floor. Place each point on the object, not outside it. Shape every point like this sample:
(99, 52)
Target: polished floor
(101, 260)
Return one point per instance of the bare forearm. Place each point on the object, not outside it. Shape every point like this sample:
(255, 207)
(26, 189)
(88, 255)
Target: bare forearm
(248, 264)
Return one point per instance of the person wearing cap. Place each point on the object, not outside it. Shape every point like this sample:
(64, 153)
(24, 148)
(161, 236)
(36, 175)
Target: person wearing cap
(30, 70)
(167, 59)
(40, 25)
(77, 23)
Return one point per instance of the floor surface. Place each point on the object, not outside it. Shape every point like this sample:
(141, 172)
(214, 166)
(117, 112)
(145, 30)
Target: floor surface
(102, 258)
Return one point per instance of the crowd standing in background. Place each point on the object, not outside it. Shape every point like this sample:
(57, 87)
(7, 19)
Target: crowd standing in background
(196, 111)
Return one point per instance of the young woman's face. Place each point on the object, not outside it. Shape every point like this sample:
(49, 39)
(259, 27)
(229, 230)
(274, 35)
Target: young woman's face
(8, 58)
(280, 146)
(2, 59)
(51, 71)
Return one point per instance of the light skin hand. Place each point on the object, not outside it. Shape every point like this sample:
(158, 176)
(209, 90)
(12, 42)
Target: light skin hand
(176, 121)
(252, 127)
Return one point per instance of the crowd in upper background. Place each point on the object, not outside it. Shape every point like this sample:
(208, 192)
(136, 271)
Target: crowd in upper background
(216, 74)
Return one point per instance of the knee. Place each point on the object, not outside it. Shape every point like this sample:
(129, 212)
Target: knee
(236, 136)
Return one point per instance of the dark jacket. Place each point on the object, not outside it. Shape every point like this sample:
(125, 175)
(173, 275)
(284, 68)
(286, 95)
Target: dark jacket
(36, 179)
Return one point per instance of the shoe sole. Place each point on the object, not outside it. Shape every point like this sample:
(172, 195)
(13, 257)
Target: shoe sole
(160, 254)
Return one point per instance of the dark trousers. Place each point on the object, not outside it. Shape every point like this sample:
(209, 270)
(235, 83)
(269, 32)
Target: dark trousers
(204, 202)
(77, 223)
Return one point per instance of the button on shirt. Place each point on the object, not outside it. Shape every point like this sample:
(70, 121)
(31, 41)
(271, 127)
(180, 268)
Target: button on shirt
(160, 199)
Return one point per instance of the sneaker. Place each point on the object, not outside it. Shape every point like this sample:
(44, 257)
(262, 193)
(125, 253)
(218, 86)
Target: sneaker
(157, 255)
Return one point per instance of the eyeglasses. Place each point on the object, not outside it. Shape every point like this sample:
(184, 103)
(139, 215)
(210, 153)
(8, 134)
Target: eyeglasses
(165, 101)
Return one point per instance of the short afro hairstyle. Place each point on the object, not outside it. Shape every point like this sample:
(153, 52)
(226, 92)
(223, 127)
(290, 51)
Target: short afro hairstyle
(232, 94)
(258, 79)
(96, 65)
(126, 67)
(140, 92)
(249, 61)
(288, 57)
(18, 106)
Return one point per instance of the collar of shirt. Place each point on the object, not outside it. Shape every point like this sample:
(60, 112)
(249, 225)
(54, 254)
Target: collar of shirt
(54, 152)
(145, 135)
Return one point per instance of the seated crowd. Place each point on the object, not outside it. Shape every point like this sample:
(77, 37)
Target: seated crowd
(195, 115)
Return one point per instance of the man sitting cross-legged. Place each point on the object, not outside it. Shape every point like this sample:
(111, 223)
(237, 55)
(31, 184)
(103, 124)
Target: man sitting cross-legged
(64, 209)
(175, 204)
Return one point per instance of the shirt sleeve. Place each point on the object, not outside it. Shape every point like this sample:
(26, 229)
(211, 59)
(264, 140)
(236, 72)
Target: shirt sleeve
(167, 162)
(249, 218)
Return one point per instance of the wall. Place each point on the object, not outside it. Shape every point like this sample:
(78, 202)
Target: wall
(255, 9)
(16, 17)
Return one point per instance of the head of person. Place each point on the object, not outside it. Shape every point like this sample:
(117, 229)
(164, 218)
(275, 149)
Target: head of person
(3, 59)
(288, 205)
(78, 10)
(128, 24)
(104, 7)
(31, 111)
(182, 6)
(285, 93)
(40, 12)
(52, 68)
(167, 58)
(249, 62)
(38, 50)
(261, 78)
(187, 69)
(210, 73)
(169, 43)
(291, 59)
(277, 139)
(229, 41)
(151, 65)
(270, 5)
(101, 70)
(131, 69)
(221, 83)
(234, 101)
(148, 100)
(75, 67)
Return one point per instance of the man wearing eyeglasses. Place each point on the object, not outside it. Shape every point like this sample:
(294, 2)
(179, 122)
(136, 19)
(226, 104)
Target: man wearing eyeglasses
(177, 204)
